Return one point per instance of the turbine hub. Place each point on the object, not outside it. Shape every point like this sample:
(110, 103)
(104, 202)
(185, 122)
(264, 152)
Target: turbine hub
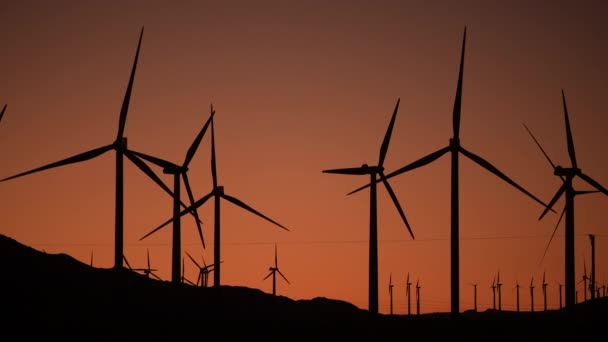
(220, 189)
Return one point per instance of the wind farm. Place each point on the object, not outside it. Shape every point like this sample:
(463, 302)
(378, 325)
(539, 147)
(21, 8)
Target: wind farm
(294, 99)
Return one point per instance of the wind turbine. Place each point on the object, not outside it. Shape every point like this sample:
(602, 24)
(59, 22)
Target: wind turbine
(584, 280)
(408, 284)
(390, 290)
(544, 292)
(146, 271)
(185, 280)
(218, 193)
(498, 289)
(120, 146)
(203, 275)
(567, 175)
(180, 172)
(273, 272)
(532, 295)
(455, 148)
(474, 297)
(418, 298)
(592, 285)
(517, 294)
(373, 172)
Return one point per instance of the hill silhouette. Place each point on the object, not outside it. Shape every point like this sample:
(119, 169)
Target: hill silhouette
(57, 295)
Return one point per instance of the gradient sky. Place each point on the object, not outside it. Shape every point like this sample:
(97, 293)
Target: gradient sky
(302, 86)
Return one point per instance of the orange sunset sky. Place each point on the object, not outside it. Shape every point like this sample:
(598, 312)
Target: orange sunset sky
(299, 87)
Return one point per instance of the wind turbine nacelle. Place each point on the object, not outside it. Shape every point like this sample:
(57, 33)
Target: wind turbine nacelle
(220, 189)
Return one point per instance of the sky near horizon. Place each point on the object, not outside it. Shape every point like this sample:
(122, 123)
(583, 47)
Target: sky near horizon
(300, 87)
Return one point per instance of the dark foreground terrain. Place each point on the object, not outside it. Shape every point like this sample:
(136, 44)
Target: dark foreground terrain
(56, 295)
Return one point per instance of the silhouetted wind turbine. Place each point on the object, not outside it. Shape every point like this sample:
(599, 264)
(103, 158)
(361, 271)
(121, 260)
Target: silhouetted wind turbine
(178, 173)
(532, 295)
(408, 284)
(498, 289)
(203, 275)
(544, 292)
(567, 175)
(474, 297)
(146, 271)
(373, 172)
(120, 146)
(217, 192)
(455, 148)
(390, 290)
(184, 279)
(517, 294)
(584, 280)
(273, 273)
(418, 298)
(592, 285)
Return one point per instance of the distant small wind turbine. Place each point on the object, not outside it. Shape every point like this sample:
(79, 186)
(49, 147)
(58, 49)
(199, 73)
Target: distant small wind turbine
(584, 280)
(418, 297)
(408, 293)
(373, 172)
(474, 297)
(517, 294)
(218, 193)
(593, 283)
(203, 275)
(544, 292)
(273, 271)
(493, 287)
(532, 295)
(185, 280)
(146, 271)
(390, 290)
(498, 289)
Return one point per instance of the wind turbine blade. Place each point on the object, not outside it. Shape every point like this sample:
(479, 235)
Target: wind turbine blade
(155, 276)
(213, 162)
(418, 163)
(396, 202)
(559, 192)
(569, 133)
(276, 260)
(197, 141)
(585, 192)
(204, 264)
(593, 183)
(349, 171)
(70, 160)
(281, 274)
(387, 136)
(552, 235)
(127, 99)
(148, 253)
(2, 113)
(482, 162)
(269, 274)
(194, 261)
(195, 211)
(148, 171)
(539, 146)
(184, 212)
(250, 209)
(127, 262)
(154, 160)
(458, 99)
